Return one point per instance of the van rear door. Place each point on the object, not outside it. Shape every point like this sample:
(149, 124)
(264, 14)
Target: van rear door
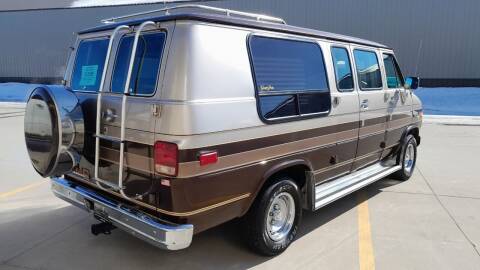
(139, 102)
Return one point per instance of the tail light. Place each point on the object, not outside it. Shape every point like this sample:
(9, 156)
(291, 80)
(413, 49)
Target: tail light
(166, 158)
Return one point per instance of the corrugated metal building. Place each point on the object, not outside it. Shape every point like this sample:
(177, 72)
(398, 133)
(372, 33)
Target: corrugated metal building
(437, 40)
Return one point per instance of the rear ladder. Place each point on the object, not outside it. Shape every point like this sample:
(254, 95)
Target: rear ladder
(126, 92)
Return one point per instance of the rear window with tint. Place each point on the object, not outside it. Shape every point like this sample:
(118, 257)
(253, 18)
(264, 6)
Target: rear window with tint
(290, 77)
(89, 64)
(282, 65)
(146, 64)
(368, 70)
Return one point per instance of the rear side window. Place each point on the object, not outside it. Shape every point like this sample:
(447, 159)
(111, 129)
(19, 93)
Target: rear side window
(145, 67)
(394, 76)
(368, 70)
(89, 64)
(290, 77)
(343, 69)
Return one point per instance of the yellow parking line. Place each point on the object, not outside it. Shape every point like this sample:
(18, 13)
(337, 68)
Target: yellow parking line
(365, 246)
(20, 189)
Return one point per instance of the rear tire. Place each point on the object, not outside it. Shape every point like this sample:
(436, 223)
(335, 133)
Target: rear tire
(272, 222)
(407, 159)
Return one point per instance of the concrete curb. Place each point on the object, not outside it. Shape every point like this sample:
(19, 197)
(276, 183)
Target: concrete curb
(12, 104)
(452, 120)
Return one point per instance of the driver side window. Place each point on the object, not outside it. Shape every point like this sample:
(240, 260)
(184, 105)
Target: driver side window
(392, 72)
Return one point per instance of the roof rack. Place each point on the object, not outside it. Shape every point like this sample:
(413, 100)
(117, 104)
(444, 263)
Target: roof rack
(227, 12)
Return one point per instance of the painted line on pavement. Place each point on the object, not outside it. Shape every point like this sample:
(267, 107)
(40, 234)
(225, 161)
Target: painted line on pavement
(20, 189)
(365, 246)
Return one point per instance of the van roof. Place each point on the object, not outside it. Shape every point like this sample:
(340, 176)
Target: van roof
(235, 21)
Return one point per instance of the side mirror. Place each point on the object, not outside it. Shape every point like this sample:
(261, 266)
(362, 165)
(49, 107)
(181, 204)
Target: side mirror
(412, 83)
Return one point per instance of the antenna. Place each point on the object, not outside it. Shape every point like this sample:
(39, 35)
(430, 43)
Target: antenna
(418, 57)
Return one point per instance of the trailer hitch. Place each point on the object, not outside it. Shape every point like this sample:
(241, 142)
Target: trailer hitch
(103, 227)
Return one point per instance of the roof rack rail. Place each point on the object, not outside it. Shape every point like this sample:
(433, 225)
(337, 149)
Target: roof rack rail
(227, 12)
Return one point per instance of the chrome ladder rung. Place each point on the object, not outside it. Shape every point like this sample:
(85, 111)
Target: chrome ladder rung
(108, 138)
(108, 184)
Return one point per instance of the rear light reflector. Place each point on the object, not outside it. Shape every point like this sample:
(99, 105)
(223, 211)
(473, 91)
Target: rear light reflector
(208, 158)
(166, 158)
(165, 182)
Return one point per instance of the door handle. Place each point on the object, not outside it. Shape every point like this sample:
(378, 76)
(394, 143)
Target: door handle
(364, 104)
(386, 97)
(109, 115)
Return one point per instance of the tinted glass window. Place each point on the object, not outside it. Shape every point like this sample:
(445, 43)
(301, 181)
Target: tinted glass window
(314, 103)
(368, 70)
(343, 70)
(290, 76)
(394, 79)
(283, 65)
(145, 67)
(278, 106)
(89, 64)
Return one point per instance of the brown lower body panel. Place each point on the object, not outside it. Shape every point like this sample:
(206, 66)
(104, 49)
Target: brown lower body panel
(200, 192)
(208, 199)
(369, 149)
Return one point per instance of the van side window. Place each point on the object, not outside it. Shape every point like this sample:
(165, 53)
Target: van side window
(343, 69)
(290, 77)
(394, 76)
(89, 64)
(368, 70)
(145, 67)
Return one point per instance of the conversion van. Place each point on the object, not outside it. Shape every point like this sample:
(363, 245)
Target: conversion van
(166, 126)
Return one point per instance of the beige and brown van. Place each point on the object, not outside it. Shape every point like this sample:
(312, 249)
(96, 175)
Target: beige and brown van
(167, 126)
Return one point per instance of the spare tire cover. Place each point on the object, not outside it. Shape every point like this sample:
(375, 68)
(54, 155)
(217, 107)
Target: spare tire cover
(54, 130)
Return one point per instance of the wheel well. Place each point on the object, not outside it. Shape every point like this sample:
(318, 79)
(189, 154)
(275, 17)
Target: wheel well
(296, 172)
(416, 133)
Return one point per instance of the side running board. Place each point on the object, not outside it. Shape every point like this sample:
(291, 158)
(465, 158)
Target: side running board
(338, 188)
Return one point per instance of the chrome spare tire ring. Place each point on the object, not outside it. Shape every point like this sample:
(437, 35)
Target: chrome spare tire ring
(280, 216)
(54, 130)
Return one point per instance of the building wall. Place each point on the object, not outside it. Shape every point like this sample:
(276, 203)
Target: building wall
(433, 39)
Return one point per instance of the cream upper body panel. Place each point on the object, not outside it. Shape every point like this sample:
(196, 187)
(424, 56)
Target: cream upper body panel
(208, 87)
(208, 84)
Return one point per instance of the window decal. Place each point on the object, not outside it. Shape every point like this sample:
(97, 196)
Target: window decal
(88, 75)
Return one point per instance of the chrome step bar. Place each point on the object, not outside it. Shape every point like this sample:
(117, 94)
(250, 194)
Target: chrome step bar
(98, 134)
(338, 188)
(227, 12)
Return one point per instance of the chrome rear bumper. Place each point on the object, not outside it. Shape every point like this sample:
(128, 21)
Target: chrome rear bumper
(157, 232)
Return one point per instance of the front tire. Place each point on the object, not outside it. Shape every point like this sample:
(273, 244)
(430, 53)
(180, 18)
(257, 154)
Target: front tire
(272, 222)
(407, 159)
